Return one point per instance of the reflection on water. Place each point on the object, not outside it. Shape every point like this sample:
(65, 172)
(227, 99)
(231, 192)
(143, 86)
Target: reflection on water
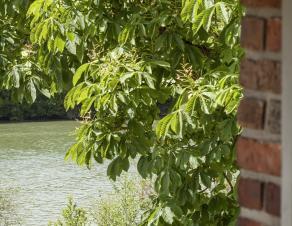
(32, 159)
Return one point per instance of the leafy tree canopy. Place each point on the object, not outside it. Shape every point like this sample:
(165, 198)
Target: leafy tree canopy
(121, 61)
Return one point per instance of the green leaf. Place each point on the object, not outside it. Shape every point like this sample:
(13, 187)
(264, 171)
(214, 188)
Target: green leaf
(73, 152)
(160, 63)
(161, 42)
(79, 73)
(163, 126)
(189, 9)
(195, 56)
(205, 147)
(179, 42)
(45, 92)
(44, 33)
(150, 81)
(126, 76)
(222, 7)
(168, 215)
(86, 105)
(71, 36)
(177, 123)
(116, 167)
(71, 47)
(165, 183)
(207, 19)
(80, 51)
(193, 162)
(32, 91)
(124, 35)
(154, 216)
(59, 44)
(35, 7)
(204, 105)
(208, 3)
(144, 166)
(206, 179)
(198, 22)
(16, 77)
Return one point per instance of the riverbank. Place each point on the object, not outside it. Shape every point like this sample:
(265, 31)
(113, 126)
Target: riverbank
(7, 121)
(39, 120)
(43, 109)
(31, 116)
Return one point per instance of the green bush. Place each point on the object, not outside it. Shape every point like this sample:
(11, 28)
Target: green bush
(71, 216)
(124, 206)
(8, 213)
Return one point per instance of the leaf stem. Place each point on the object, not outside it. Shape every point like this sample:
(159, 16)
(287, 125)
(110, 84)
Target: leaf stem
(229, 182)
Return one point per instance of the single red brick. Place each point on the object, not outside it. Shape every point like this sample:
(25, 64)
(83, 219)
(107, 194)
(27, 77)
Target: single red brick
(273, 117)
(251, 113)
(247, 222)
(252, 36)
(262, 3)
(258, 156)
(274, 35)
(250, 193)
(273, 199)
(261, 75)
(248, 74)
(269, 76)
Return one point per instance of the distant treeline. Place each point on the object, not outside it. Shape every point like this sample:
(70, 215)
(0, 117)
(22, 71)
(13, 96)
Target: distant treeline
(42, 109)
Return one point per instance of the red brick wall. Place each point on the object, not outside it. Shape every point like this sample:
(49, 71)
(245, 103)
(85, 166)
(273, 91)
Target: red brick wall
(259, 148)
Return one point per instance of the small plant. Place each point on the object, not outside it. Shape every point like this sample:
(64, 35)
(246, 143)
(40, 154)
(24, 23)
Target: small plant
(8, 214)
(72, 216)
(123, 207)
(126, 205)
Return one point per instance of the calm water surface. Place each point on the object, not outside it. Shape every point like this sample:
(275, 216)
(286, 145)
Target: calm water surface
(32, 160)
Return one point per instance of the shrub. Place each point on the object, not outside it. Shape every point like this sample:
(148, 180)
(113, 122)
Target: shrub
(8, 213)
(71, 216)
(124, 206)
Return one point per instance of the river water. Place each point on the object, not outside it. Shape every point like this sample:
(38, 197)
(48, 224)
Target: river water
(32, 161)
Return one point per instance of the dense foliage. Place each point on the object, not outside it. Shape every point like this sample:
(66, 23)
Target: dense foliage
(129, 58)
(42, 109)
